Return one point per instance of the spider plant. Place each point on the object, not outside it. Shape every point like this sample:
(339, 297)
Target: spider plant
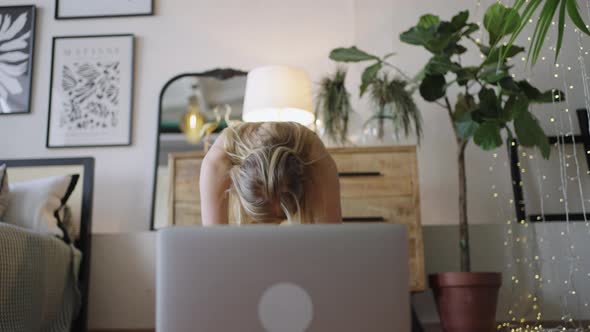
(395, 104)
(333, 106)
(392, 97)
(546, 17)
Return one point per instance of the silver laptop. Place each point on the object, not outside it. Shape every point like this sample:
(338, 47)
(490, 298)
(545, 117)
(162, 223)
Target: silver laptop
(345, 278)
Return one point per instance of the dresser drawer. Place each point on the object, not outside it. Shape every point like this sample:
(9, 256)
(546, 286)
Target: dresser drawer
(375, 186)
(396, 210)
(384, 164)
(186, 179)
(187, 213)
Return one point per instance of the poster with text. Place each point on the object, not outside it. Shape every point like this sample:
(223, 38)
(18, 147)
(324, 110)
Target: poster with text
(91, 92)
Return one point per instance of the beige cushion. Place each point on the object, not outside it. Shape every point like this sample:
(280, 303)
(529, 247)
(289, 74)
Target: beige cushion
(35, 204)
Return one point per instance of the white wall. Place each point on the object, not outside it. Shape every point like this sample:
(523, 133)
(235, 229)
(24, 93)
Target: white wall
(184, 36)
(189, 35)
(195, 35)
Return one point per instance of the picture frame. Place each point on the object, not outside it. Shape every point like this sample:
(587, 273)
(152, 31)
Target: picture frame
(17, 50)
(83, 9)
(91, 91)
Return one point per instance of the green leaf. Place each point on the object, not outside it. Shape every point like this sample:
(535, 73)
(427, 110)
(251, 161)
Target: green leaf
(543, 24)
(492, 74)
(417, 36)
(464, 122)
(458, 21)
(515, 106)
(369, 76)
(499, 21)
(530, 91)
(572, 10)
(441, 64)
(509, 85)
(505, 51)
(485, 50)
(465, 74)
(487, 136)
(464, 104)
(428, 20)
(471, 28)
(488, 103)
(351, 54)
(456, 49)
(529, 133)
(433, 87)
(560, 29)
(433, 39)
(465, 126)
(526, 15)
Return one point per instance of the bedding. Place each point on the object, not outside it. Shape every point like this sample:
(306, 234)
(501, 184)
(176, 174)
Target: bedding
(36, 204)
(38, 281)
(3, 190)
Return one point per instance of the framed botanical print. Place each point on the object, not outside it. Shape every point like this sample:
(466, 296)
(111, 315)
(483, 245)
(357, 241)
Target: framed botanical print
(17, 41)
(74, 9)
(91, 91)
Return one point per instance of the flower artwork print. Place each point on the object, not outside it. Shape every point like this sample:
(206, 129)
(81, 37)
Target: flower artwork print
(91, 91)
(17, 30)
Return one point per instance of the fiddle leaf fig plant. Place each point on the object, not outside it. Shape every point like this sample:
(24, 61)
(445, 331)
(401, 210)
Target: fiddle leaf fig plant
(490, 106)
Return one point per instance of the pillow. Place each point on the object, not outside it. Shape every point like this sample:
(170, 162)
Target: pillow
(70, 228)
(3, 190)
(35, 204)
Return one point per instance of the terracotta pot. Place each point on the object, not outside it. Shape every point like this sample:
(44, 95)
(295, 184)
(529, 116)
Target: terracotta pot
(466, 301)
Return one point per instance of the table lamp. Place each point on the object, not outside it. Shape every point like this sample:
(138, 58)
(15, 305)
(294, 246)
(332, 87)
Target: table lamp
(278, 93)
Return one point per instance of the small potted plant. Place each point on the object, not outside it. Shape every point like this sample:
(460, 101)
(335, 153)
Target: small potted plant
(491, 107)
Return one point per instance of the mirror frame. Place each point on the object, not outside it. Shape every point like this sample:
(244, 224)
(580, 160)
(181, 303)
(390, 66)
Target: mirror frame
(218, 73)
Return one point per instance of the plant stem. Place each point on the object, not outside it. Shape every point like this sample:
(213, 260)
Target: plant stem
(450, 112)
(463, 223)
(404, 75)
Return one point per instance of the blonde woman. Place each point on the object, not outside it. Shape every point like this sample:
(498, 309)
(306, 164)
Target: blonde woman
(274, 172)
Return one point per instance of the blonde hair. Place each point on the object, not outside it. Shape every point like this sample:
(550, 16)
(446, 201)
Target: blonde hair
(270, 164)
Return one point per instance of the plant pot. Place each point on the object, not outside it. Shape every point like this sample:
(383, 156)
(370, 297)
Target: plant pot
(466, 301)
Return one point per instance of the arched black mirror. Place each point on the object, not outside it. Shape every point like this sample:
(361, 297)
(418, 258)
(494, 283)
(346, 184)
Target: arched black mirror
(188, 104)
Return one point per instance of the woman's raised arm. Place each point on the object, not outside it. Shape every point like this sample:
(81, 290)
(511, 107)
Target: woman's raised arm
(214, 183)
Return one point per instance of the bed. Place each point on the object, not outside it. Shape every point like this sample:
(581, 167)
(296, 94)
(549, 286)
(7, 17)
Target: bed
(46, 251)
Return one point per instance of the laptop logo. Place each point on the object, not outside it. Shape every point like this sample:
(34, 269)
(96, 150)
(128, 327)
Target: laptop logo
(285, 307)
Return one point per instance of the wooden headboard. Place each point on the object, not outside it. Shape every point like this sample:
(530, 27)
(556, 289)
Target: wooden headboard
(377, 184)
(83, 241)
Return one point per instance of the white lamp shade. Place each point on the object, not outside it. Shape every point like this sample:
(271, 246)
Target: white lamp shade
(278, 93)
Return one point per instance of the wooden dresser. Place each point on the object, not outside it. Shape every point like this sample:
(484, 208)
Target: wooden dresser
(377, 184)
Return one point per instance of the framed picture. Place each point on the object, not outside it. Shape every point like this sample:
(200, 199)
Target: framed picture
(73, 9)
(17, 41)
(91, 91)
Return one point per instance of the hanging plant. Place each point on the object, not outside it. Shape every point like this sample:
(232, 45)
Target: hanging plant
(333, 106)
(394, 104)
